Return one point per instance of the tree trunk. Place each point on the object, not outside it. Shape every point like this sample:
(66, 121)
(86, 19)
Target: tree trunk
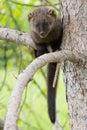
(75, 75)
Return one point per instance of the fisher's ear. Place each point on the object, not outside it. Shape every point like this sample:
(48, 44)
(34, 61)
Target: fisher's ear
(30, 16)
(52, 12)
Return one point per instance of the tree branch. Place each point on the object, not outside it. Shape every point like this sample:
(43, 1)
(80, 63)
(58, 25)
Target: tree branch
(16, 36)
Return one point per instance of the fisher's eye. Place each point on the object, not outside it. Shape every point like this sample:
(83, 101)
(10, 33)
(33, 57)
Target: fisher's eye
(46, 23)
(37, 25)
(50, 23)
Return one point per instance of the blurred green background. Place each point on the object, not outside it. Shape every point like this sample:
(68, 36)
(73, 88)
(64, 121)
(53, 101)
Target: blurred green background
(14, 58)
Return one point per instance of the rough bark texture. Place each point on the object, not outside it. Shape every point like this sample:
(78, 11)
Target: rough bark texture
(75, 75)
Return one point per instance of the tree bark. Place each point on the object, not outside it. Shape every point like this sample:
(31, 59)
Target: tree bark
(75, 75)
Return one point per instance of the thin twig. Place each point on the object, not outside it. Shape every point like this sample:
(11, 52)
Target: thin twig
(56, 75)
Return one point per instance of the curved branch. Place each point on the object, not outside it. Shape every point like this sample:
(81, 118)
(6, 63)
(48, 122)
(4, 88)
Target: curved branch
(16, 36)
(26, 76)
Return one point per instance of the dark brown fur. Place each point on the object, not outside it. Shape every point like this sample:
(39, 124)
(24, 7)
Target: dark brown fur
(46, 29)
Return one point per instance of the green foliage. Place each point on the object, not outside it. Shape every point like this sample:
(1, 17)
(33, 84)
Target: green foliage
(14, 58)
